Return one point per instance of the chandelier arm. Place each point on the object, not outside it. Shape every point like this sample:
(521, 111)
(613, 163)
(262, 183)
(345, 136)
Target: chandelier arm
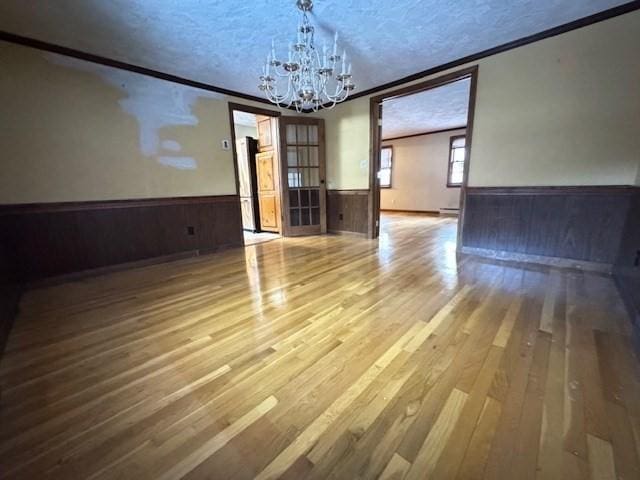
(338, 100)
(281, 72)
(333, 104)
(339, 89)
(287, 95)
(278, 99)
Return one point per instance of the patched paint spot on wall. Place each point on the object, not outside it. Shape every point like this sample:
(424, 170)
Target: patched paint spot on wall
(171, 145)
(155, 104)
(181, 163)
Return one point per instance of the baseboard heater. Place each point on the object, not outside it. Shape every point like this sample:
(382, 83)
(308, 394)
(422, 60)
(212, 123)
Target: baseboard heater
(449, 211)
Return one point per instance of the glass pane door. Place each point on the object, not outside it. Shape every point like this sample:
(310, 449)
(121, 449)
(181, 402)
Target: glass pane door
(304, 175)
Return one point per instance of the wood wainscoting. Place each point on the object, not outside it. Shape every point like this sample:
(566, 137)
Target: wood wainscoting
(583, 224)
(627, 267)
(10, 290)
(347, 211)
(55, 239)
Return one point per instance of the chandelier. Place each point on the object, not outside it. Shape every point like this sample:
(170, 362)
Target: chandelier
(311, 76)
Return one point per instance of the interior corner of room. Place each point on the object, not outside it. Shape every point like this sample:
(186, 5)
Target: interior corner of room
(203, 253)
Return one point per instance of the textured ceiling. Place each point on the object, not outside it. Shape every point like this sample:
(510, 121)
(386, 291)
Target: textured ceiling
(224, 42)
(436, 109)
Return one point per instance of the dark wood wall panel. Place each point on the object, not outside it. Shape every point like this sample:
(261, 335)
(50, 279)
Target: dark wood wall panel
(10, 290)
(627, 266)
(56, 239)
(577, 223)
(347, 211)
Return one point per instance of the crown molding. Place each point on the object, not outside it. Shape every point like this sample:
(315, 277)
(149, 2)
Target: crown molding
(109, 62)
(536, 37)
(552, 32)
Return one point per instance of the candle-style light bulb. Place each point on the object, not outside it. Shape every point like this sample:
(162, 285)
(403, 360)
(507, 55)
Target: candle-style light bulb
(335, 44)
(324, 55)
(290, 52)
(344, 62)
(268, 65)
(273, 48)
(349, 69)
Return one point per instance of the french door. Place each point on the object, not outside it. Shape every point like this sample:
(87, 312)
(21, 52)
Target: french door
(303, 175)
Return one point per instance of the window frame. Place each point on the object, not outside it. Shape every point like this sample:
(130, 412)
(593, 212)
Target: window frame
(450, 161)
(387, 147)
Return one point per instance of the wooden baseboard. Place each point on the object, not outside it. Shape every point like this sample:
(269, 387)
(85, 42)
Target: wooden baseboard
(627, 271)
(361, 191)
(539, 260)
(627, 300)
(631, 307)
(96, 272)
(9, 305)
(347, 233)
(432, 213)
(120, 267)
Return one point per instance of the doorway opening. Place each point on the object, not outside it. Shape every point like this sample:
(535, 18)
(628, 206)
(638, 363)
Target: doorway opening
(255, 138)
(281, 180)
(421, 140)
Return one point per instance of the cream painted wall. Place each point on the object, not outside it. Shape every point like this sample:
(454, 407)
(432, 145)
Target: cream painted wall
(562, 111)
(347, 145)
(419, 174)
(77, 131)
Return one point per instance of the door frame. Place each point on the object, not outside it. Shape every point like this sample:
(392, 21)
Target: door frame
(256, 111)
(375, 126)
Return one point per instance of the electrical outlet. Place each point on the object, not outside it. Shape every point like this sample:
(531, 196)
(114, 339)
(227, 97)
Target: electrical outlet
(191, 231)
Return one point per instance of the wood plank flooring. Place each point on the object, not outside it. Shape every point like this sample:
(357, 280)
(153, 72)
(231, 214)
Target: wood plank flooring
(324, 358)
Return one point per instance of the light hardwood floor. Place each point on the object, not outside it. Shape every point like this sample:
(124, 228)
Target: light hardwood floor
(331, 357)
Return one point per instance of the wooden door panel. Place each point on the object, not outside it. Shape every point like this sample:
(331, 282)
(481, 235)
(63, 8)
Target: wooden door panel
(268, 211)
(265, 134)
(268, 191)
(266, 169)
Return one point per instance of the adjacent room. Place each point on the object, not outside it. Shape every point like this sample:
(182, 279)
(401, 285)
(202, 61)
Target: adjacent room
(423, 150)
(258, 191)
(312, 239)
(422, 154)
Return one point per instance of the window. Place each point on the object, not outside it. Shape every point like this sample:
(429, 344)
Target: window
(386, 160)
(457, 146)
